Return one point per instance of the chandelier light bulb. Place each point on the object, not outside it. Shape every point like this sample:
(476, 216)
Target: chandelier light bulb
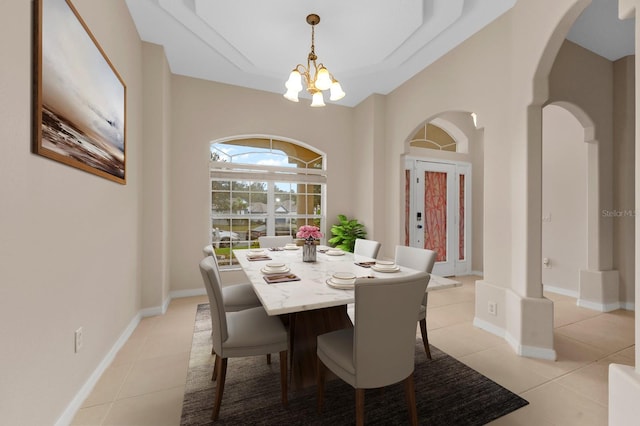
(294, 82)
(336, 91)
(323, 79)
(317, 100)
(291, 95)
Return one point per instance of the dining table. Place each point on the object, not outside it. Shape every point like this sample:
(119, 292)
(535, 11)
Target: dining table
(307, 300)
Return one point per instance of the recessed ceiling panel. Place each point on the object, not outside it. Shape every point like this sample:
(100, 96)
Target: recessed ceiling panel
(351, 34)
(371, 46)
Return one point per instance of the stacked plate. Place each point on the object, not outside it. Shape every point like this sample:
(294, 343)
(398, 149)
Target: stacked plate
(342, 280)
(385, 266)
(255, 253)
(291, 246)
(334, 252)
(274, 268)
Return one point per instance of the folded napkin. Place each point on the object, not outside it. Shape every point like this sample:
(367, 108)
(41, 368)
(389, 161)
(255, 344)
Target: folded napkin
(276, 249)
(259, 257)
(366, 264)
(271, 279)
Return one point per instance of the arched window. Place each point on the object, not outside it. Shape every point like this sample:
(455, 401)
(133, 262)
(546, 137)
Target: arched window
(262, 186)
(431, 136)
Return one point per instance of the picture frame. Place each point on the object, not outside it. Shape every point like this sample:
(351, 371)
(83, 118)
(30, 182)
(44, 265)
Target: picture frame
(79, 99)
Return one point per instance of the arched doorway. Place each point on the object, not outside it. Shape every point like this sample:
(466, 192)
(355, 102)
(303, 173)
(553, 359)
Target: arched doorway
(565, 209)
(443, 191)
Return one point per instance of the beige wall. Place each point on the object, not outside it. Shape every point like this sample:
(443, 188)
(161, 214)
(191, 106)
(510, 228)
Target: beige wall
(602, 100)
(564, 200)
(202, 112)
(623, 179)
(70, 241)
(368, 172)
(491, 74)
(589, 95)
(155, 197)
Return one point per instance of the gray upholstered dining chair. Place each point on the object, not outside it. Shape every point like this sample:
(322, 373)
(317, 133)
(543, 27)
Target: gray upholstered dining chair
(277, 241)
(422, 260)
(356, 354)
(249, 332)
(368, 248)
(237, 296)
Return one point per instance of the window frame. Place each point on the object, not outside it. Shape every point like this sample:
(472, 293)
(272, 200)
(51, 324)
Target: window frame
(230, 171)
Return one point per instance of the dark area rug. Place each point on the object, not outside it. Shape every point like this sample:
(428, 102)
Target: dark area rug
(447, 393)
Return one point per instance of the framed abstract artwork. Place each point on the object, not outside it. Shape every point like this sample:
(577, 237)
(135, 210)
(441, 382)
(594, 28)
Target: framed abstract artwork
(79, 102)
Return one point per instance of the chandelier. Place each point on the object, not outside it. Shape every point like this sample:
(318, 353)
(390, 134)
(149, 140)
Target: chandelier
(317, 78)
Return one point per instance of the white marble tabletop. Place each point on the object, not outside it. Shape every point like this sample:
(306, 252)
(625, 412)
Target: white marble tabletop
(312, 291)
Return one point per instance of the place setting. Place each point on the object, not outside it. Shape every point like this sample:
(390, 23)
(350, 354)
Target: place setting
(277, 273)
(343, 280)
(257, 254)
(385, 266)
(291, 246)
(333, 252)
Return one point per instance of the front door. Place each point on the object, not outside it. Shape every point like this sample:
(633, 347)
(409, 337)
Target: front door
(439, 213)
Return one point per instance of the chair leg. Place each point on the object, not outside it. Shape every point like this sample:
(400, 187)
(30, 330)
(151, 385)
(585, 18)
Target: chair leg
(222, 374)
(283, 378)
(425, 339)
(320, 383)
(268, 358)
(216, 360)
(359, 407)
(410, 395)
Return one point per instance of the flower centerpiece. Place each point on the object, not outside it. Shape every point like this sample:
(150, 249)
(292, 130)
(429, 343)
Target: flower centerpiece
(310, 234)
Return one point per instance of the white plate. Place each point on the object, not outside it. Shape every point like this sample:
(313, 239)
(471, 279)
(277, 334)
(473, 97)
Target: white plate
(335, 253)
(291, 247)
(343, 278)
(377, 269)
(274, 271)
(330, 283)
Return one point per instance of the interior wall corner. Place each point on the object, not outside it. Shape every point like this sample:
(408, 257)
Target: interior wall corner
(529, 326)
(599, 290)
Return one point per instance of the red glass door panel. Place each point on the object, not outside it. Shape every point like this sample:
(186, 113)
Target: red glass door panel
(435, 208)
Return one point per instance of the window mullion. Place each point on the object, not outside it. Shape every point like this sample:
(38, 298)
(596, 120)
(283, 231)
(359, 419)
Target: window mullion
(271, 202)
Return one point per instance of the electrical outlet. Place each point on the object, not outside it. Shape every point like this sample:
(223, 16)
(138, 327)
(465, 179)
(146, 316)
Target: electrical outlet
(79, 339)
(492, 308)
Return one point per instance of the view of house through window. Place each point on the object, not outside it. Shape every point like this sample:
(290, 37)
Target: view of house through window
(259, 187)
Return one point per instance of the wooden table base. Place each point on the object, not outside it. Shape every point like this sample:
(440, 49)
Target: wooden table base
(304, 328)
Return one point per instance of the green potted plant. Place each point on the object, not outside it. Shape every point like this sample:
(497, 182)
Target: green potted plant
(346, 233)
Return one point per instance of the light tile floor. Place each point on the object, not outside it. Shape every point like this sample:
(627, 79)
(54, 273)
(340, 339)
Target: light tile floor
(145, 383)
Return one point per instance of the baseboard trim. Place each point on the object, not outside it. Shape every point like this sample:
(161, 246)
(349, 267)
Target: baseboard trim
(479, 273)
(560, 290)
(600, 307)
(530, 351)
(487, 326)
(187, 293)
(629, 306)
(69, 413)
